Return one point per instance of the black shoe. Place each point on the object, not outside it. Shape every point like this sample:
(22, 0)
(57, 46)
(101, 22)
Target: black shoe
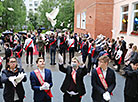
(50, 63)
(54, 64)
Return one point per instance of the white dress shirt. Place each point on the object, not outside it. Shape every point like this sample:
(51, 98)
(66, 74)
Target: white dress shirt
(42, 72)
(70, 41)
(104, 73)
(27, 41)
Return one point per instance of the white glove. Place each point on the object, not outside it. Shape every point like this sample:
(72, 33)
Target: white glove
(107, 96)
(20, 77)
(12, 79)
(60, 59)
(45, 86)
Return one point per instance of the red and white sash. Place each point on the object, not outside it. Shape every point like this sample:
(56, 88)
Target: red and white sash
(93, 51)
(0, 60)
(89, 48)
(52, 43)
(18, 53)
(106, 54)
(73, 74)
(28, 45)
(63, 41)
(71, 45)
(41, 80)
(102, 79)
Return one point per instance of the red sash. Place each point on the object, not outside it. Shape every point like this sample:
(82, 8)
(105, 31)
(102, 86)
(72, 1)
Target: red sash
(73, 74)
(71, 45)
(120, 60)
(41, 80)
(106, 54)
(52, 43)
(102, 79)
(0, 61)
(18, 54)
(63, 41)
(81, 45)
(28, 45)
(89, 48)
(93, 51)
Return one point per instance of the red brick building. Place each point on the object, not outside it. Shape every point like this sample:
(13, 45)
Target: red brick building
(94, 17)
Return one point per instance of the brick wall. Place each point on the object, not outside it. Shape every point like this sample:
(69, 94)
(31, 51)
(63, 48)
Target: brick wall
(99, 15)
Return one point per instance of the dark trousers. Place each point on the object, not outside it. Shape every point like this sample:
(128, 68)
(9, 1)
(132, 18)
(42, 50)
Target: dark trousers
(130, 99)
(68, 98)
(47, 48)
(43, 54)
(84, 57)
(118, 65)
(71, 54)
(63, 51)
(21, 100)
(29, 49)
(44, 100)
(89, 63)
(52, 55)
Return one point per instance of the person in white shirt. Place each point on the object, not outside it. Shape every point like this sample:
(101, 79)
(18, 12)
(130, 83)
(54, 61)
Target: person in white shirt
(29, 46)
(71, 48)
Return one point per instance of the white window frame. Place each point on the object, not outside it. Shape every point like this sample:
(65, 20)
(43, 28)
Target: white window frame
(83, 20)
(78, 20)
(122, 13)
(133, 14)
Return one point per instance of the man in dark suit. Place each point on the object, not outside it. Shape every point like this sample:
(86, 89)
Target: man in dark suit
(63, 47)
(13, 77)
(53, 45)
(131, 84)
(73, 86)
(103, 81)
(8, 53)
(41, 82)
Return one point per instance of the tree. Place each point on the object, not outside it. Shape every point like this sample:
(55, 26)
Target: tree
(13, 19)
(32, 19)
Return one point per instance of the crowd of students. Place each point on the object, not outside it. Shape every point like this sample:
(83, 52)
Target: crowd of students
(98, 51)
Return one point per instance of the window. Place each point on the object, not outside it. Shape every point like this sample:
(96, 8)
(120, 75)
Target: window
(124, 19)
(35, 9)
(30, 10)
(83, 20)
(36, 3)
(78, 20)
(30, 4)
(135, 24)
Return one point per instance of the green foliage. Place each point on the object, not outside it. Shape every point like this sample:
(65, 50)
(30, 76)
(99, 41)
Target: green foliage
(13, 19)
(33, 19)
(1, 8)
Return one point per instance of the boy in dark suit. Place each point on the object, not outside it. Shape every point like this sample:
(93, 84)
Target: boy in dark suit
(103, 81)
(41, 82)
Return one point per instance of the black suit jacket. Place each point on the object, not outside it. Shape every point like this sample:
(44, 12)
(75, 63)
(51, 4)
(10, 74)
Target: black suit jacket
(7, 53)
(98, 89)
(131, 83)
(81, 72)
(9, 88)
